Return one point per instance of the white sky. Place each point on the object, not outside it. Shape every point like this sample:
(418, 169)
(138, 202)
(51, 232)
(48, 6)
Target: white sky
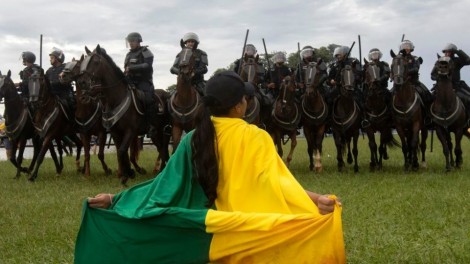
(221, 26)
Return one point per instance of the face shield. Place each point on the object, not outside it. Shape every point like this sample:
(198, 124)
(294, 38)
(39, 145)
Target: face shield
(250, 50)
(375, 55)
(279, 58)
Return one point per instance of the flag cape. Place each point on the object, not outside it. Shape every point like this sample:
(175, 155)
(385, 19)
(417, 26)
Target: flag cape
(261, 215)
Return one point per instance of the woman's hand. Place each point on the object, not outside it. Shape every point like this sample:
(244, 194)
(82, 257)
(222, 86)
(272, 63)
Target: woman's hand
(102, 200)
(326, 205)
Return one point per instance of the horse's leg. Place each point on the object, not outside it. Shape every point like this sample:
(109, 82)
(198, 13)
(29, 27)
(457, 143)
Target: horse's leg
(36, 148)
(73, 138)
(445, 147)
(86, 137)
(176, 135)
(350, 157)
(46, 144)
(310, 145)
(278, 142)
(101, 144)
(458, 148)
(14, 159)
(135, 149)
(451, 147)
(355, 150)
(123, 157)
(414, 146)
(293, 144)
(424, 138)
(339, 150)
(404, 146)
(373, 149)
(57, 161)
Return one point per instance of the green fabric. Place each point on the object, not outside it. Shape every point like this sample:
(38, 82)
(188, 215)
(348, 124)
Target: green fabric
(158, 221)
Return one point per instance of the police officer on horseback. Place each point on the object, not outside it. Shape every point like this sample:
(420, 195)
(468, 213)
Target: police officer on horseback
(277, 74)
(63, 91)
(31, 70)
(139, 71)
(384, 75)
(308, 58)
(461, 88)
(414, 62)
(191, 40)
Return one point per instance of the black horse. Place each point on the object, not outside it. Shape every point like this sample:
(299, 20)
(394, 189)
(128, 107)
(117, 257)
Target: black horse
(448, 113)
(379, 114)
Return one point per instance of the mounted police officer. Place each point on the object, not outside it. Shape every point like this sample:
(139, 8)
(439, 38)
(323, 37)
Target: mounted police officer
(28, 73)
(384, 75)
(277, 73)
(308, 60)
(414, 62)
(63, 91)
(139, 71)
(191, 40)
(461, 88)
(343, 60)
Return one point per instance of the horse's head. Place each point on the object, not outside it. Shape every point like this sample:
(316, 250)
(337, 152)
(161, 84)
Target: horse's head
(186, 63)
(38, 86)
(71, 70)
(99, 72)
(313, 75)
(398, 68)
(249, 68)
(287, 89)
(445, 67)
(4, 84)
(348, 82)
(371, 75)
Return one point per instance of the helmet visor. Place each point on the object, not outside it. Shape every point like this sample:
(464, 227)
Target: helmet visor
(250, 50)
(375, 55)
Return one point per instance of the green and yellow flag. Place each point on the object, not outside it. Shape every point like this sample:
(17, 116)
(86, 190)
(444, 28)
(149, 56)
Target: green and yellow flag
(262, 213)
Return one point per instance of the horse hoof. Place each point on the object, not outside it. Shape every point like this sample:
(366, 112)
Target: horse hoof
(142, 171)
(424, 165)
(319, 169)
(108, 172)
(31, 179)
(124, 181)
(132, 174)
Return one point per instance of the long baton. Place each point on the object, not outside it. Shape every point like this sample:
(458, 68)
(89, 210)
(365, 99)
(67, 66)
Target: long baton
(243, 53)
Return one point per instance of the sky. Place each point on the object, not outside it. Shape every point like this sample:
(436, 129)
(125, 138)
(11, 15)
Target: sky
(222, 25)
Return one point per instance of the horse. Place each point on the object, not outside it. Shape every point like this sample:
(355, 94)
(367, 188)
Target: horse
(408, 114)
(123, 112)
(87, 116)
(185, 101)
(19, 126)
(315, 115)
(448, 113)
(254, 110)
(379, 115)
(346, 119)
(52, 122)
(286, 116)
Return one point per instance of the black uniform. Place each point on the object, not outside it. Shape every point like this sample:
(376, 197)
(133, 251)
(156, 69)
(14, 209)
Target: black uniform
(200, 68)
(276, 75)
(64, 91)
(384, 76)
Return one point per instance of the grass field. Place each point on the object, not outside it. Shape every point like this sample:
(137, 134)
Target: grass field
(388, 216)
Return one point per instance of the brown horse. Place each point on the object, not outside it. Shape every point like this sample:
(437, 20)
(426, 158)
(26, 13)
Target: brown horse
(285, 117)
(408, 113)
(448, 113)
(87, 116)
(185, 101)
(19, 126)
(123, 112)
(346, 119)
(51, 122)
(315, 114)
(379, 115)
(249, 73)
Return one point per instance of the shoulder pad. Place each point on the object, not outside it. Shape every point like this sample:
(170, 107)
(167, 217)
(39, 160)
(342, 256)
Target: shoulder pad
(203, 53)
(147, 53)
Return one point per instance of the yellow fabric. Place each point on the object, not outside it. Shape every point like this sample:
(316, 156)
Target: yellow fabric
(263, 214)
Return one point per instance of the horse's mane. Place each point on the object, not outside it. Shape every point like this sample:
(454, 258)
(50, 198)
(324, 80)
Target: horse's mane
(116, 69)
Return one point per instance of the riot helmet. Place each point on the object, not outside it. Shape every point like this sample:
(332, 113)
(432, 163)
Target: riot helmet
(134, 36)
(191, 36)
(58, 54)
(341, 52)
(250, 50)
(375, 54)
(279, 57)
(449, 47)
(406, 44)
(307, 53)
(28, 56)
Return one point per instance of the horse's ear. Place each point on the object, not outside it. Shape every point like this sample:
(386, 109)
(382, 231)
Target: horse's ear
(392, 54)
(98, 49)
(182, 43)
(420, 60)
(87, 50)
(366, 61)
(82, 57)
(438, 56)
(257, 57)
(8, 73)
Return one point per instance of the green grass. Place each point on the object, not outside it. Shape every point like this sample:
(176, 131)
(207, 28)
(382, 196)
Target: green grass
(388, 216)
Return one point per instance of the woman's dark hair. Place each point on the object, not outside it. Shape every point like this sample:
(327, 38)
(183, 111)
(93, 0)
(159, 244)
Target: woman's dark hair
(204, 147)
